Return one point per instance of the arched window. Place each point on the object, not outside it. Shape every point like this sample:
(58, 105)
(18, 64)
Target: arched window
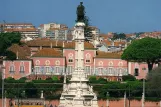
(12, 68)
(22, 67)
(70, 57)
(88, 56)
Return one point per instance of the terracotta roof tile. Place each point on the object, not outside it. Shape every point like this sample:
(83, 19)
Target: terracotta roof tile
(107, 42)
(48, 52)
(26, 49)
(101, 54)
(57, 43)
(118, 43)
(45, 42)
(87, 45)
(18, 50)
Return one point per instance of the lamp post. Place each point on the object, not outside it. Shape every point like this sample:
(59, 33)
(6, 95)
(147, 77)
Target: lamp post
(125, 94)
(143, 94)
(129, 95)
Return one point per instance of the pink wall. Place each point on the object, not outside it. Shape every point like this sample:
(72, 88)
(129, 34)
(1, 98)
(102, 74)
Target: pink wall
(103, 103)
(142, 67)
(88, 55)
(69, 54)
(17, 63)
(106, 62)
(52, 61)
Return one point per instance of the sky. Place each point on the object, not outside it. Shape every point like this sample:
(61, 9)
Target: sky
(122, 16)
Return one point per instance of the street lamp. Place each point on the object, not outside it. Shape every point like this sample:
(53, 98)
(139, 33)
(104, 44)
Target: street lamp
(143, 94)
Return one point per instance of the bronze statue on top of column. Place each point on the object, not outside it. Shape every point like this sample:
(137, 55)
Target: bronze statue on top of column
(80, 13)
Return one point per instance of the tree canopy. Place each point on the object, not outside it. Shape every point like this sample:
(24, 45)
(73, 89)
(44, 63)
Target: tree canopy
(154, 82)
(119, 36)
(7, 39)
(143, 50)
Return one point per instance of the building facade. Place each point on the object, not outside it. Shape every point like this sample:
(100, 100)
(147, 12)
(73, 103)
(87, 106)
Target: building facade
(44, 58)
(26, 29)
(53, 31)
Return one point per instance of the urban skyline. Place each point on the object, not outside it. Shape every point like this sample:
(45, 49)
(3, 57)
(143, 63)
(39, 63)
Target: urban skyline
(109, 16)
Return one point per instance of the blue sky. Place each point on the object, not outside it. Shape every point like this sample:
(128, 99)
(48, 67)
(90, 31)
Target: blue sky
(126, 16)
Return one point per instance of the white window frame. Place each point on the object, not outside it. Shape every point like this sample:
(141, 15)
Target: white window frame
(110, 70)
(69, 69)
(37, 69)
(100, 69)
(47, 72)
(57, 68)
(12, 70)
(88, 72)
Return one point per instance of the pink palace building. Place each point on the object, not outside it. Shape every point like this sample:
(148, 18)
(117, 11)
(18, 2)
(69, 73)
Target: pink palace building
(43, 58)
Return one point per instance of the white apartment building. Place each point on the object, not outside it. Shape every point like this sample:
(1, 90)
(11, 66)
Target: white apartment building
(26, 29)
(53, 31)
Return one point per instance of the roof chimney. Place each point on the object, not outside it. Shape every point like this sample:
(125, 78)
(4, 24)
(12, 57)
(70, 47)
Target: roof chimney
(56, 42)
(40, 47)
(51, 45)
(63, 44)
(17, 54)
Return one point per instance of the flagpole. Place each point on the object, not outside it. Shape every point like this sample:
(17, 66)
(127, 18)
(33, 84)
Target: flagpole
(125, 99)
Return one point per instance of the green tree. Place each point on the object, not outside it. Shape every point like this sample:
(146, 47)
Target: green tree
(7, 39)
(31, 90)
(118, 36)
(143, 50)
(154, 84)
(128, 78)
(10, 55)
(55, 78)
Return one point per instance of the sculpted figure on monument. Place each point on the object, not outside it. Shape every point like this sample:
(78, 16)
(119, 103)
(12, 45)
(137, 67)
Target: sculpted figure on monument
(80, 12)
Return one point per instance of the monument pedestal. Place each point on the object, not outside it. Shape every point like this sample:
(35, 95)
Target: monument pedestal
(78, 93)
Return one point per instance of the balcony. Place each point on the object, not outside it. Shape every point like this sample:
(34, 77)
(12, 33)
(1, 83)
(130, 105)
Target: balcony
(22, 72)
(12, 72)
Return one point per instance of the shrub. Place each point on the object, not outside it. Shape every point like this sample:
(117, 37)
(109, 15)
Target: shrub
(128, 78)
(55, 78)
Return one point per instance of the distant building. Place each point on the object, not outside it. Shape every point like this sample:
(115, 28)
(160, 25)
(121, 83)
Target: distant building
(53, 31)
(26, 29)
(95, 32)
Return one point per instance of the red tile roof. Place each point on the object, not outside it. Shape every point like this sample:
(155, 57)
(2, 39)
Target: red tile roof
(101, 54)
(107, 42)
(87, 45)
(22, 54)
(48, 52)
(118, 43)
(45, 42)
(57, 43)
